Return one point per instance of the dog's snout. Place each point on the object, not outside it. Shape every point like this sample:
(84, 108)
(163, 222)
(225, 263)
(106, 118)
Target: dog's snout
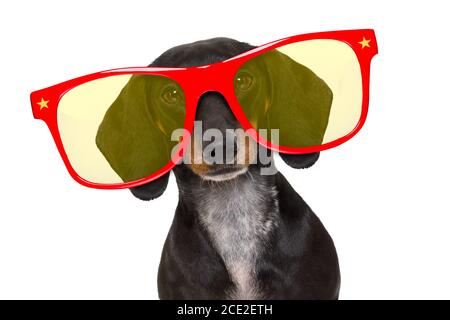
(220, 151)
(214, 113)
(216, 117)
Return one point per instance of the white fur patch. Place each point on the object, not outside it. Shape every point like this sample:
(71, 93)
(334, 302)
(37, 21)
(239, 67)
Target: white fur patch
(235, 215)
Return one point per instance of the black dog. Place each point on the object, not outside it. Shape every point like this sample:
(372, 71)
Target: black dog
(242, 235)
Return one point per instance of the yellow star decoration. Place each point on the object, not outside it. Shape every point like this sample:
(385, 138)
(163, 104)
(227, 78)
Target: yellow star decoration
(364, 43)
(43, 103)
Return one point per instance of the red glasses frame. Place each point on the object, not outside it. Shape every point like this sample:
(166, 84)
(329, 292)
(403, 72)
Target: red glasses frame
(217, 77)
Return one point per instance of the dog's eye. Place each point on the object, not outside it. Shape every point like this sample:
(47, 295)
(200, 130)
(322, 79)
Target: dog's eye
(171, 95)
(244, 81)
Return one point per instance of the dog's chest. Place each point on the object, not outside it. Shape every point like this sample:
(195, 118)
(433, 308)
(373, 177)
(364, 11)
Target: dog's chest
(239, 220)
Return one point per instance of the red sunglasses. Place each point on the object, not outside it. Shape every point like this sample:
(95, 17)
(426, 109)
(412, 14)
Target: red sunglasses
(114, 128)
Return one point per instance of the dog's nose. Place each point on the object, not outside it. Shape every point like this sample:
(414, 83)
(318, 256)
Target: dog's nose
(221, 152)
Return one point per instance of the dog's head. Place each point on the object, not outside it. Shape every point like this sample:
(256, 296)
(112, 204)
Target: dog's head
(214, 113)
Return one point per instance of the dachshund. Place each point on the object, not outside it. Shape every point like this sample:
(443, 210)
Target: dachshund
(236, 233)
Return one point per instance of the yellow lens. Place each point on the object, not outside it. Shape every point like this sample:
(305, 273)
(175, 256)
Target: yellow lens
(118, 128)
(311, 91)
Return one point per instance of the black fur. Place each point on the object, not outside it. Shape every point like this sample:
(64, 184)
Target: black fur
(300, 161)
(300, 261)
(151, 190)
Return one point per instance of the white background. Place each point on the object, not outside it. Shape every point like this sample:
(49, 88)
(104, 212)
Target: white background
(383, 196)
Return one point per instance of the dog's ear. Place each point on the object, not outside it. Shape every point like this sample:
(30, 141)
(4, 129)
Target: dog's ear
(135, 133)
(151, 190)
(300, 161)
(290, 96)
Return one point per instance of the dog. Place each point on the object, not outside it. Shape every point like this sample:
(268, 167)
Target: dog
(238, 234)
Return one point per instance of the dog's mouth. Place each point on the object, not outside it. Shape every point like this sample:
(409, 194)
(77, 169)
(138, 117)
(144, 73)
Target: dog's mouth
(224, 172)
